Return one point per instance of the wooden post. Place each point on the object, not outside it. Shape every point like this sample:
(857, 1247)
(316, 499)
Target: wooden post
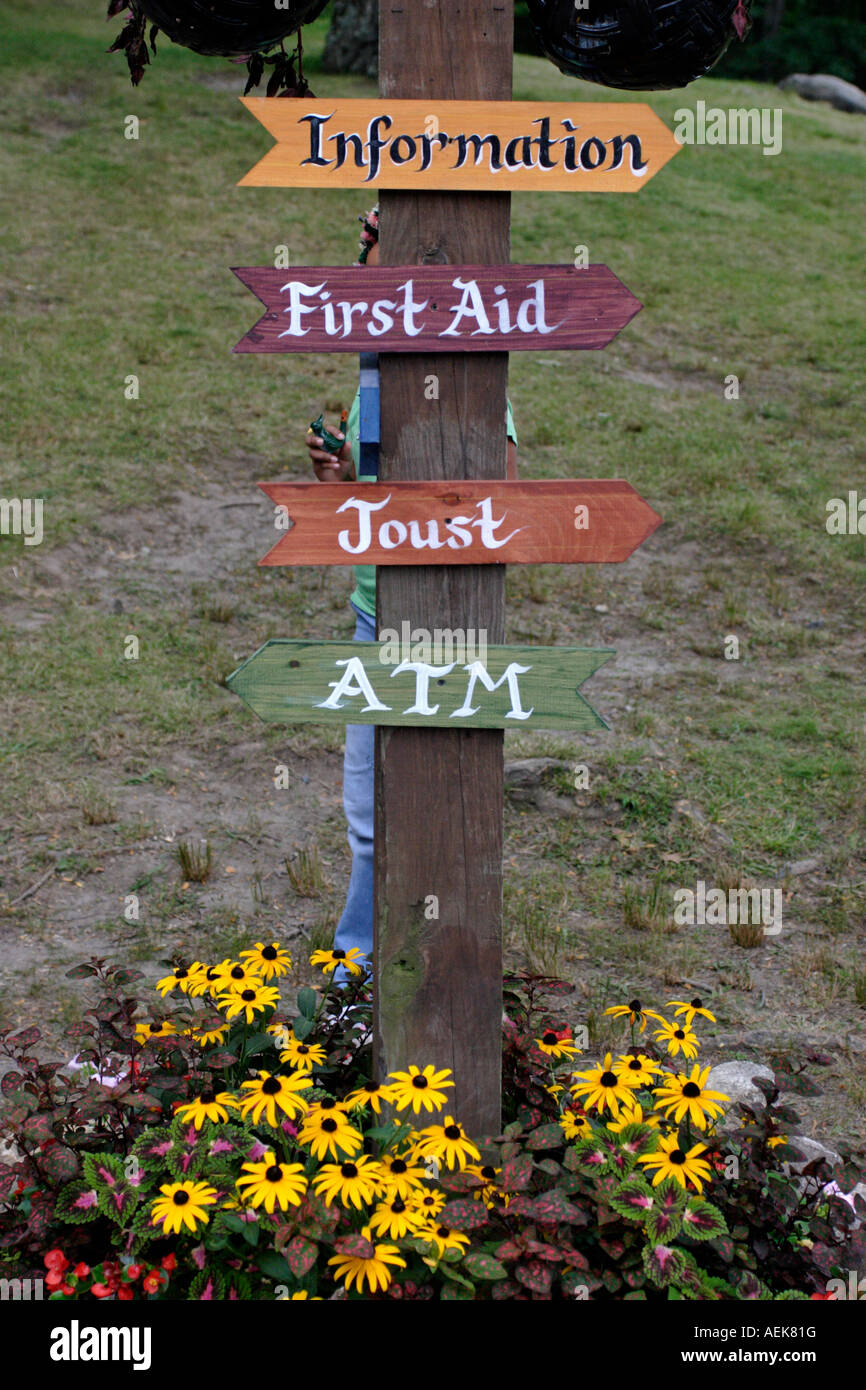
(439, 794)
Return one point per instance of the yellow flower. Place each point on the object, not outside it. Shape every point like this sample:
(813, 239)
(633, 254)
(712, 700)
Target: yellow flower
(271, 1184)
(429, 1203)
(603, 1088)
(634, 1012)
(180, 978)
(249, 1002)
(145, 1031)
(400, 1176)
(420, 1089)
(673, 1162)
(575, 1126)
(208, 1107)
(443, 1237)
(231, 975)
(685, 1095)
(267, 1093)
(632, 1115)
(269, 961)
(329, 960)
(182, 1204)
(371, 1093)
(356, 1181)
(447, 1142)
(395, 1218)
(209, 980)
(678, 1040)
(688, 1009)
(302, 1056)
(327, 1132)
(639, 1070)
(554, 1046)
(374, 1270)
(301, 1293)
(212, 1033)
(776, 1140)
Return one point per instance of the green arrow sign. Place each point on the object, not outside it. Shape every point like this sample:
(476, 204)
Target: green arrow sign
(449, 681)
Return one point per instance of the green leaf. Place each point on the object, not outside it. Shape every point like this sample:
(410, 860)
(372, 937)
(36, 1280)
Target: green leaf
(258, 1043)
(302, 1027)
(302, 1255)
(454, 1276)
(308, 1000)
(454, 1292)
(463, 1214)
(633, 1199)
(546, 1137)
(274, 1266)
(484, 1266)
(663, 1264)
(516, 1174)
(703, 1221)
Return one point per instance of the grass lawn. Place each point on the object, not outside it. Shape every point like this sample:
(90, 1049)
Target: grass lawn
(114, 257)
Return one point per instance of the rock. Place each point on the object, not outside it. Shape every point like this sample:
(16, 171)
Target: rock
(810, 1150)
(734, 1079)
(798, 867)
(528, 772)
(821, 86)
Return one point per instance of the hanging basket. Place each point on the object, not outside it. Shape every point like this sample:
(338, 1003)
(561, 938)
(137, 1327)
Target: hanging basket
(228, 28)
(638, 45)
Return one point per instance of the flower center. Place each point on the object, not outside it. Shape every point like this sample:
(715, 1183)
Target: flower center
(339, 955)
(488, 1172)
(550, 1039)
(420, 1082)
(180, 1199)
(212, 974)
(697, 1003)
(443, 1232)
(327, 1103)
(691, 1090)
(181, 974)
(269, 953)
(329, 1125)
(348, 1170)
(398, 1205)
(634, 1005)
(679, 1034)
(608, 1078)
(248, 995)
(635, 1064)
(398, 1165)
(303, 1049)
(274, 1173)
(677, 1156)
(370, 1086)
(237, 972)
(272, 1086)
(453, 1132)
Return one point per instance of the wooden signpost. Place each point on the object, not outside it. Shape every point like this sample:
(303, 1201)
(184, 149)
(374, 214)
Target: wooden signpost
(441, 522)
(584, 521)
(483, 688)
(468, 146)
(436, 308)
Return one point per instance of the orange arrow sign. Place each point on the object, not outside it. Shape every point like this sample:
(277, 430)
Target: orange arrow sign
(586, 521)
(587, 147)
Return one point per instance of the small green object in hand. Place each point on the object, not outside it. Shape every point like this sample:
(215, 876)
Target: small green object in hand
(330, 441)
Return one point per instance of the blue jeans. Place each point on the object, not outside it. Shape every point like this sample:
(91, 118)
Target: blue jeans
(355, 927)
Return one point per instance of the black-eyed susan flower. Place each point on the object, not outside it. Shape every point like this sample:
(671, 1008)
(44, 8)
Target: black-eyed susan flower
(267, 1094)
(328, 1134)
(270, 1184)
(234, 975)
(144, 1032)
(180, 978)
(634, 1012)
(208, 1107)
(429, 1202)
(603, 1088)
(269, 960)
(252, 1000)
(395, 1218)
(575, 1126)
(443, 1237)
(640, 1069)
(689, 1008)
(299, 1294)
(419, 1089)
(448, 1143)
(329, 960)
(552, 1045)
(369, 1093)
(301, 1056)
(671, 1161)
(632, 1114)
(210, 1033)
(400, 1175)
(207, 981)
(182, 1204)
(682, 1095)
(373, 1271)
(677, 1039)
(355, 1182)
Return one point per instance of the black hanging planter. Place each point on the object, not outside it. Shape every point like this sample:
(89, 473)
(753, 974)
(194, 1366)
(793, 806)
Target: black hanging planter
(217, 29)
(638, 45)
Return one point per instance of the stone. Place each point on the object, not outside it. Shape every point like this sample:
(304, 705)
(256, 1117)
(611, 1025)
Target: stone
(798, 867)
(821, 86)
(734, 1079)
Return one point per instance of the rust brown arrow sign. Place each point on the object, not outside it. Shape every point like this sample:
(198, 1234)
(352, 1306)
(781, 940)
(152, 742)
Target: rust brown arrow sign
(580, 521)
(435, 308)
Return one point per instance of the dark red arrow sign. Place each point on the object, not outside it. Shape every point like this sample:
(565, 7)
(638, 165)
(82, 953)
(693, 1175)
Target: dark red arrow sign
(435, 308)
(458, 523)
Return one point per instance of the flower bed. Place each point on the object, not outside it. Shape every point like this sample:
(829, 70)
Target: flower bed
(219, 1149)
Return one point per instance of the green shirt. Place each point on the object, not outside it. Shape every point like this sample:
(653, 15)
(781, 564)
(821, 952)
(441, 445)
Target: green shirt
(364, 596)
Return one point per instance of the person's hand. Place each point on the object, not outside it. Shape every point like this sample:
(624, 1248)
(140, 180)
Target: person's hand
(328, 467)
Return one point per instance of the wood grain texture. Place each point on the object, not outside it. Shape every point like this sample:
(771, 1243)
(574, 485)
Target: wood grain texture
(385, 683)
(587, 521)
(543, 147)
(436, 308)
(439, 794)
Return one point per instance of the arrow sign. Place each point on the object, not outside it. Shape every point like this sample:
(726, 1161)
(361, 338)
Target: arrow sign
(443, 679)
(545, 147)
(435, 308)
(587, 521)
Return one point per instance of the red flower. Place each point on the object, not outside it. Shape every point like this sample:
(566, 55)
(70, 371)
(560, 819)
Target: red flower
(67, 1289)
(54, 1279)
(133, 1271)
(81, 1270)
(823, 1296)
(55, 1259)
(112, 1269)
(101, 1290)
(152, 1281)
(169, 1262)
(125, 1292)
